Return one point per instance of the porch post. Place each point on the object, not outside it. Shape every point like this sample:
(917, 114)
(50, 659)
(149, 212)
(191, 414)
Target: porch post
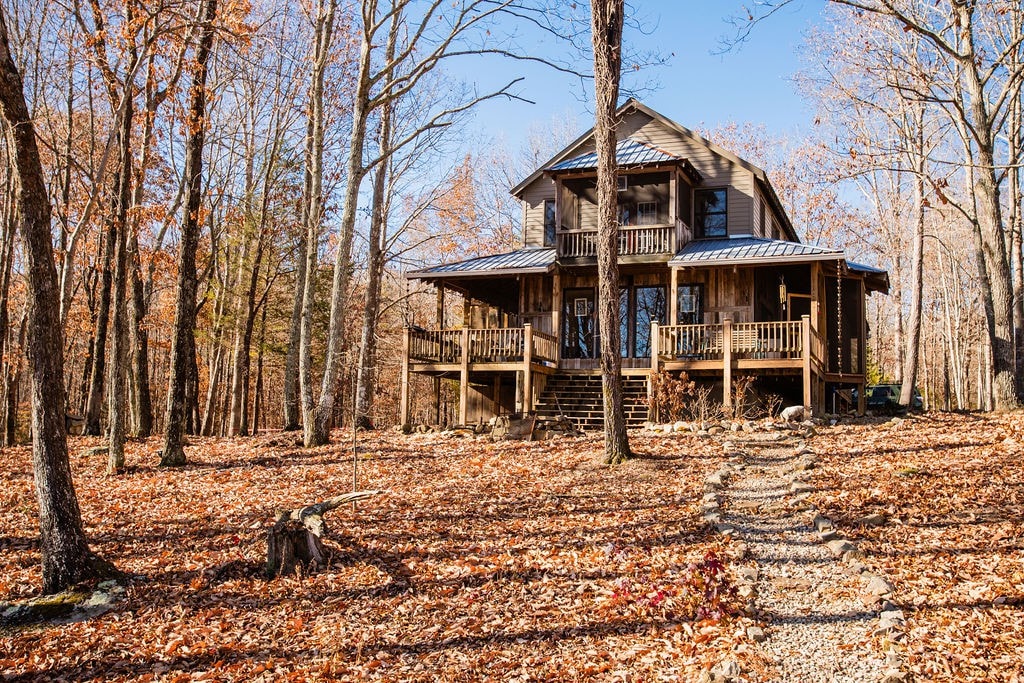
(464, 378)
(727, 363)
(440, 305)
(556, 314)
(655, 358)
(673, 296)
(404, 405)
(862, 399)
(805, 338)
(527, 369)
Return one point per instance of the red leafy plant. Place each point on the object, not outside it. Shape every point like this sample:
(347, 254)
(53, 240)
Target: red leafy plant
(698, 592)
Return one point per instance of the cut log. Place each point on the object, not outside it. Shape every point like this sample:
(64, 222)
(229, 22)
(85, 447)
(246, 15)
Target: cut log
(295, 540)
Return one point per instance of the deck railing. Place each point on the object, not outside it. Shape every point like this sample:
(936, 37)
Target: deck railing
(634, 240)
(765, 340)
(492, 345)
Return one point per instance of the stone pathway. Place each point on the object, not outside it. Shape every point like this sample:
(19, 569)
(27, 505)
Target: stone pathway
(819, 601)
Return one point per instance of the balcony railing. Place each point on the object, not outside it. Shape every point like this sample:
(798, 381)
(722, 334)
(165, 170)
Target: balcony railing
(643, 240)
(493, 345)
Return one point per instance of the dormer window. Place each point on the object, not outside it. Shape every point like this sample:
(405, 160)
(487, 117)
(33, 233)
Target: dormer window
(709, 213)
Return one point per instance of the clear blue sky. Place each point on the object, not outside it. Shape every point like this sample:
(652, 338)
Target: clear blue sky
(750, 83)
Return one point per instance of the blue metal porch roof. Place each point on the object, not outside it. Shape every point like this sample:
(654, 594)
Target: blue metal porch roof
(525, 260)
(628, 152)
(738, 250)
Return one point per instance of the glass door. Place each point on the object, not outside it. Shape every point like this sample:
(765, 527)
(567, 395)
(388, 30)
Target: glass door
(579, 324)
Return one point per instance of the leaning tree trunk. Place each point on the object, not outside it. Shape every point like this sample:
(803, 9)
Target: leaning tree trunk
(296, 539)
(606, 36)
(66, 557)
(179, 405)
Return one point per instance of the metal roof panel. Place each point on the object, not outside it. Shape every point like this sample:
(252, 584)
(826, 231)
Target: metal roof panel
(528, 259)
(628, 152)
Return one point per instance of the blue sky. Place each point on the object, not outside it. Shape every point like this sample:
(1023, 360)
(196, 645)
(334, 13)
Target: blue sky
(751, 83)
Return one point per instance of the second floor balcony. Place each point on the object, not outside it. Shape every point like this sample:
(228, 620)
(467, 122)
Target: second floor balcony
(634, 240)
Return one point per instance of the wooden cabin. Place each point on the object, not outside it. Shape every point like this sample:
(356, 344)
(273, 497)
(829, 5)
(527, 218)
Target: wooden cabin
(714, 282)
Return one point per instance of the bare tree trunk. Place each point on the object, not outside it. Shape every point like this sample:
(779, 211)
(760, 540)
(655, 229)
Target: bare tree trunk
(117, 399)
(315, 432)
(606, 37)
(66, 558)
(183, 359)
(94, 404)
(910, 357)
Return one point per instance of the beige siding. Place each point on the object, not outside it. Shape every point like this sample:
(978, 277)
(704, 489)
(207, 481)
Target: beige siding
(533, 199)
(717, 170)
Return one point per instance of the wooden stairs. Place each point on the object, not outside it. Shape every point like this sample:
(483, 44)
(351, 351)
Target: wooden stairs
(580, 398)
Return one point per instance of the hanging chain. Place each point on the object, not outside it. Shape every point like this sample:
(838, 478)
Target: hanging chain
(839, 313)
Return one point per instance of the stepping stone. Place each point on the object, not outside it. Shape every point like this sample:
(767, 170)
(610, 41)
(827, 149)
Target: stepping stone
(877, 519)
(840, 546)
(801, 487)
(821, 523)
(752, 505)
(756, 634)
(878, 586)
(747, 574)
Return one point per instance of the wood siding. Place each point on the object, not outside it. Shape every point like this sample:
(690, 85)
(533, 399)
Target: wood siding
(533, 215)
(728, 294)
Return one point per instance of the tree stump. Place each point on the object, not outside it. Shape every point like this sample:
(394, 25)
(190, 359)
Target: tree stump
(295, 540)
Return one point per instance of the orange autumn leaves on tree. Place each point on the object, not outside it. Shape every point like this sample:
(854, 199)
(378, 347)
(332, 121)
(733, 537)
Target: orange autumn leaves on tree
(462, 232)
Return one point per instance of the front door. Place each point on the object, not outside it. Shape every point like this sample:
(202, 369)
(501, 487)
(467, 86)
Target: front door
(579, 324)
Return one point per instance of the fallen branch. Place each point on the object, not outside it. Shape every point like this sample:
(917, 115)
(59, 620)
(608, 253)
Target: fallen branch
(296, 537)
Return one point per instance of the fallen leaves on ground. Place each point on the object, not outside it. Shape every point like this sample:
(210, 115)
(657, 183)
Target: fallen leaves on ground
(507, 561)
(952, 489)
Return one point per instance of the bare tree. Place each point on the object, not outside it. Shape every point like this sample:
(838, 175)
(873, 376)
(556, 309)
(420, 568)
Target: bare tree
(183, 341)
(66, 557)
(606, 35)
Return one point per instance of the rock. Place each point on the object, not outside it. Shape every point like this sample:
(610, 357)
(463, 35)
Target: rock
(749, 505)
(737, 551)
(680, 426)
(728, 447)
(712, 517)
(827, 535)
(801, 487)
(94, 451)
(886, 627)
(716, 480)
(756, 634)
(735, 426)
(877, 519)
(878, 586)
(821, 523)
(746, 591)
(893, 675)
(840, 546)
(726, 670)
(711, 497)
(893, 615)
(793, 414)
(747, 574)
(725, 529)
(702, 433)
(715, 430)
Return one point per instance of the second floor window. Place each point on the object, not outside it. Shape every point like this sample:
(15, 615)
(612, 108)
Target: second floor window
(709, 214)
(549, 222)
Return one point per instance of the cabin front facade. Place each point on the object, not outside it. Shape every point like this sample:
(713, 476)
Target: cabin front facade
(714, 282)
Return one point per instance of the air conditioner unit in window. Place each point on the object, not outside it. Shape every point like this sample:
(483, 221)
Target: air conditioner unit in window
(622, 182)
(688, 303)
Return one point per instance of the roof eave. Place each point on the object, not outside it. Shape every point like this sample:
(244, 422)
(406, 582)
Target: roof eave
(760, 261)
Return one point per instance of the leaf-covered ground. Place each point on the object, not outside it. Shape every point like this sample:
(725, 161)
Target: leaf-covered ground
(510, 561)
(953, 488)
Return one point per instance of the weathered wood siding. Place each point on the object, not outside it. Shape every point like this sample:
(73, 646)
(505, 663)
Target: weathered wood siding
(533, 213)
(727, 293)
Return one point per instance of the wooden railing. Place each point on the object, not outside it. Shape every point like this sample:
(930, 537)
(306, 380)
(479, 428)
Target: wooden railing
(545, 346)
(634, 240)
(765, 340)
(683, 233)
(693, 342)
(493, 345)
(497, 345)
(435, 346)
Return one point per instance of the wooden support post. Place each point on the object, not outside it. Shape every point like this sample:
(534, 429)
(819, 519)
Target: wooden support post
(527, 369)
(816, 289)
(437, 399)
(862, 344)
(440, 305)
(556, 314)
(805, 344)
(673, 296)
(404, 407)
(496, 397)
(655, 360)
(464, 378)
(727, 363)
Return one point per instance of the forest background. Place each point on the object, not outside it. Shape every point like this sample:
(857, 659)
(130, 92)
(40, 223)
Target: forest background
(339, 151)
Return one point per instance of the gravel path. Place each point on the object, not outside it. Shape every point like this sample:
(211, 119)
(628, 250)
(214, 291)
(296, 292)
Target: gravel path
(817, 628)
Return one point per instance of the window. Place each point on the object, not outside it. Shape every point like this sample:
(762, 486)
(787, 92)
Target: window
(549, 222)
(709, 215)
(647, 213)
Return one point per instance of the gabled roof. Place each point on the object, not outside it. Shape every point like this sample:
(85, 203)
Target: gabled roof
(628, 152)
(749, 250)
(520, 261)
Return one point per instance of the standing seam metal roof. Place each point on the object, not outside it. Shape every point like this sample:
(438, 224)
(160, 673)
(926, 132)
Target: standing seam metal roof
(748, 248)
(628, 152)
(527, 259)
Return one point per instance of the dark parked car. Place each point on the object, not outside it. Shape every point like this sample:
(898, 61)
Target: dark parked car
(887, 397)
